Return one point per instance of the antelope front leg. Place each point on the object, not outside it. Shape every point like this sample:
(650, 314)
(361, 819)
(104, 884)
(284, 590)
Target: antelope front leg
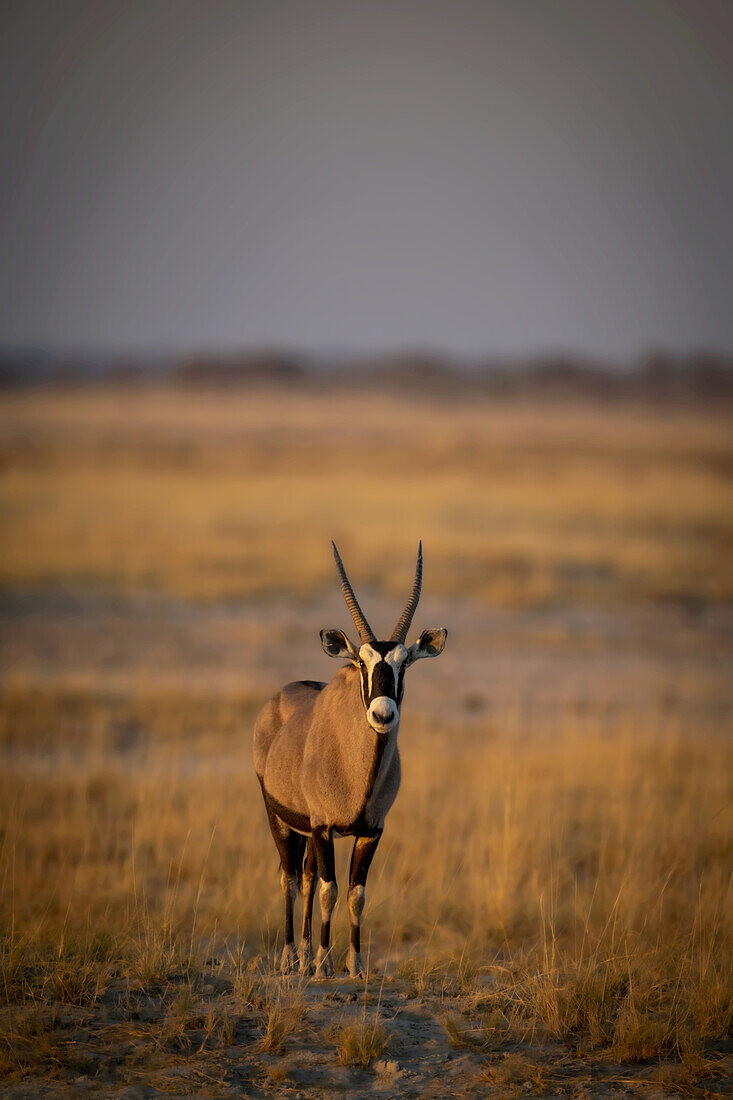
(327, 894)
(361, 859)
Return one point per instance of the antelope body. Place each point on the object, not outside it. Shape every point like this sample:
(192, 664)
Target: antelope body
(327, 760)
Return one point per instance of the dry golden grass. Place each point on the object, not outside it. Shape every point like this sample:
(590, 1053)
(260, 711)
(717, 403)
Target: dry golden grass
(359, 1044)
(517, 1070)
(459, 1034)
(238, 494)
(566, 880)
(285, 1014)
(590, 873)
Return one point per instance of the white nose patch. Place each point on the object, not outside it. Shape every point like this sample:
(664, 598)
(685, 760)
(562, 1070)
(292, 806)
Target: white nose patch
(383, 715)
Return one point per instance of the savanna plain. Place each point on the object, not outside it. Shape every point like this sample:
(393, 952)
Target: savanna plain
(550, 911)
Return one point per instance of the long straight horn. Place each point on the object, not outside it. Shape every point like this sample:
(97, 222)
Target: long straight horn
(400, 631)
(365, 631)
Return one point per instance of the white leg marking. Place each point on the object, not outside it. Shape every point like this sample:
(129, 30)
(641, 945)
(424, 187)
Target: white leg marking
(324, 963)
(307, 888)
(305, 950)
(307, 891)
(305, 956)
(289, 960)
(289, 886)
(356, 904)
(327, 895)
(354, 963)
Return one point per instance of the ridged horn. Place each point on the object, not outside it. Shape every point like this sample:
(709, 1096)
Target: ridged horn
(365, 631)
(400, 631)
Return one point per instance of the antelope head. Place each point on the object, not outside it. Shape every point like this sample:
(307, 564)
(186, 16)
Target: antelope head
(382, 665)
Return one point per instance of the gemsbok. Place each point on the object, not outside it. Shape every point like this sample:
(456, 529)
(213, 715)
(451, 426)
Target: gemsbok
(327, 760)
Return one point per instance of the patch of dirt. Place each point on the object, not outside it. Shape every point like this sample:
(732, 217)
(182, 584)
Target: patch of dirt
(202, 1037)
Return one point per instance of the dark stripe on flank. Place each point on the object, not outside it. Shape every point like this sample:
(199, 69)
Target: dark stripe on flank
(301, 822)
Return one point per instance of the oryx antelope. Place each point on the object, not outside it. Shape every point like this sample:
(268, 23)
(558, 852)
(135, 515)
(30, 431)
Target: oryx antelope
(327, 760)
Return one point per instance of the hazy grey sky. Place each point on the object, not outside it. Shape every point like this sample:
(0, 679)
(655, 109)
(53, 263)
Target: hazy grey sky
(501, 177)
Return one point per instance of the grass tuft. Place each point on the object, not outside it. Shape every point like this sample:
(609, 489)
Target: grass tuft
(459, 1034)
(519, 1071)
(359, 1043)
(283, 1016)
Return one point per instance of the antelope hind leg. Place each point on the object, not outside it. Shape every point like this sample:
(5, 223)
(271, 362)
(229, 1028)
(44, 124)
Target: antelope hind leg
(290, 848)
(310, 878)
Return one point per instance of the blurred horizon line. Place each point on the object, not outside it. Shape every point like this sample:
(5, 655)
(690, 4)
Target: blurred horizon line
(659, 372)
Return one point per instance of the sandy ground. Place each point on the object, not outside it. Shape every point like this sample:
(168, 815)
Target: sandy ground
(135, 1045)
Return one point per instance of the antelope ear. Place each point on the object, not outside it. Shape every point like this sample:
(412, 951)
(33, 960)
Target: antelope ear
(336, 644)
(429, 644)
